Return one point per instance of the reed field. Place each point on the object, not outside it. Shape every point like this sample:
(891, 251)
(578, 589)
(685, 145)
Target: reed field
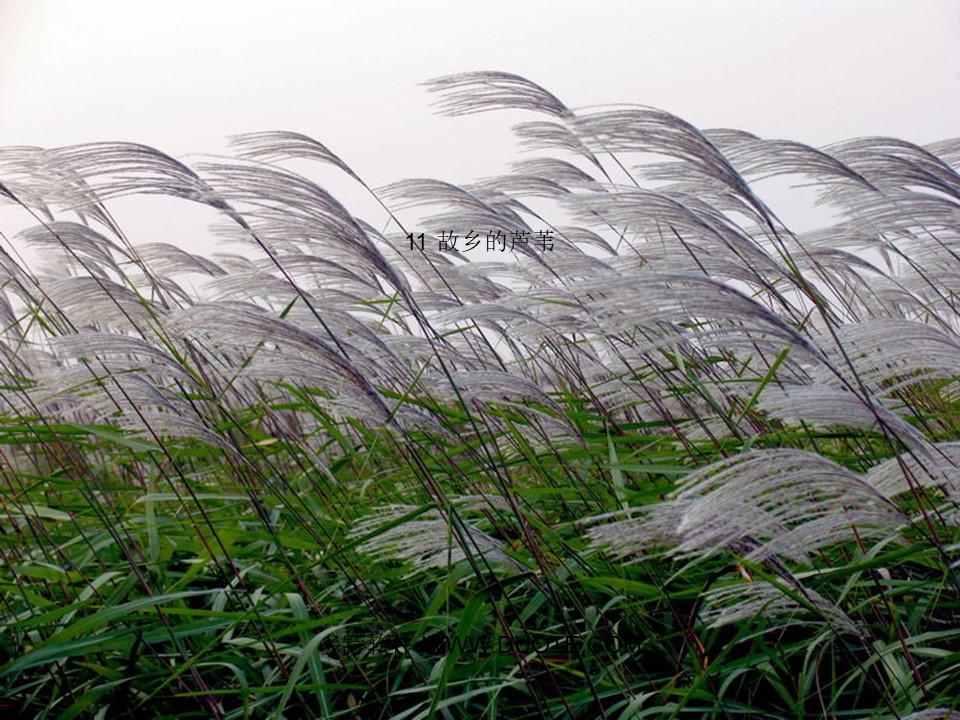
(600, 438)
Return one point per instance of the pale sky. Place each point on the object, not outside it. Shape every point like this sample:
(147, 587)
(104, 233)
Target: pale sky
(183, 75)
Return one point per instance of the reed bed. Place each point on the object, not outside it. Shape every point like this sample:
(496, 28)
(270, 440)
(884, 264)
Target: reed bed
(652, 454)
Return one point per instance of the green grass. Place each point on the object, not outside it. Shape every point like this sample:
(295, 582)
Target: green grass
(688, 464)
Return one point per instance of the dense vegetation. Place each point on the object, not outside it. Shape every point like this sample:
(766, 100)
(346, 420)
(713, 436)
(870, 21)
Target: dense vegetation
(686, 463)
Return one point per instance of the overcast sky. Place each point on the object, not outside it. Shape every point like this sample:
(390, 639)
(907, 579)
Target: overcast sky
(183, 75)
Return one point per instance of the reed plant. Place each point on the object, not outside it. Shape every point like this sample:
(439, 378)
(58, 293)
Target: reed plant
(652, 455)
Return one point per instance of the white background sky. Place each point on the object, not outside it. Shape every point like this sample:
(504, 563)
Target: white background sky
(182, 75)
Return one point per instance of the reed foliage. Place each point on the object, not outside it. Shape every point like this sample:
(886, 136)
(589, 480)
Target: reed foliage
(686, 463)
